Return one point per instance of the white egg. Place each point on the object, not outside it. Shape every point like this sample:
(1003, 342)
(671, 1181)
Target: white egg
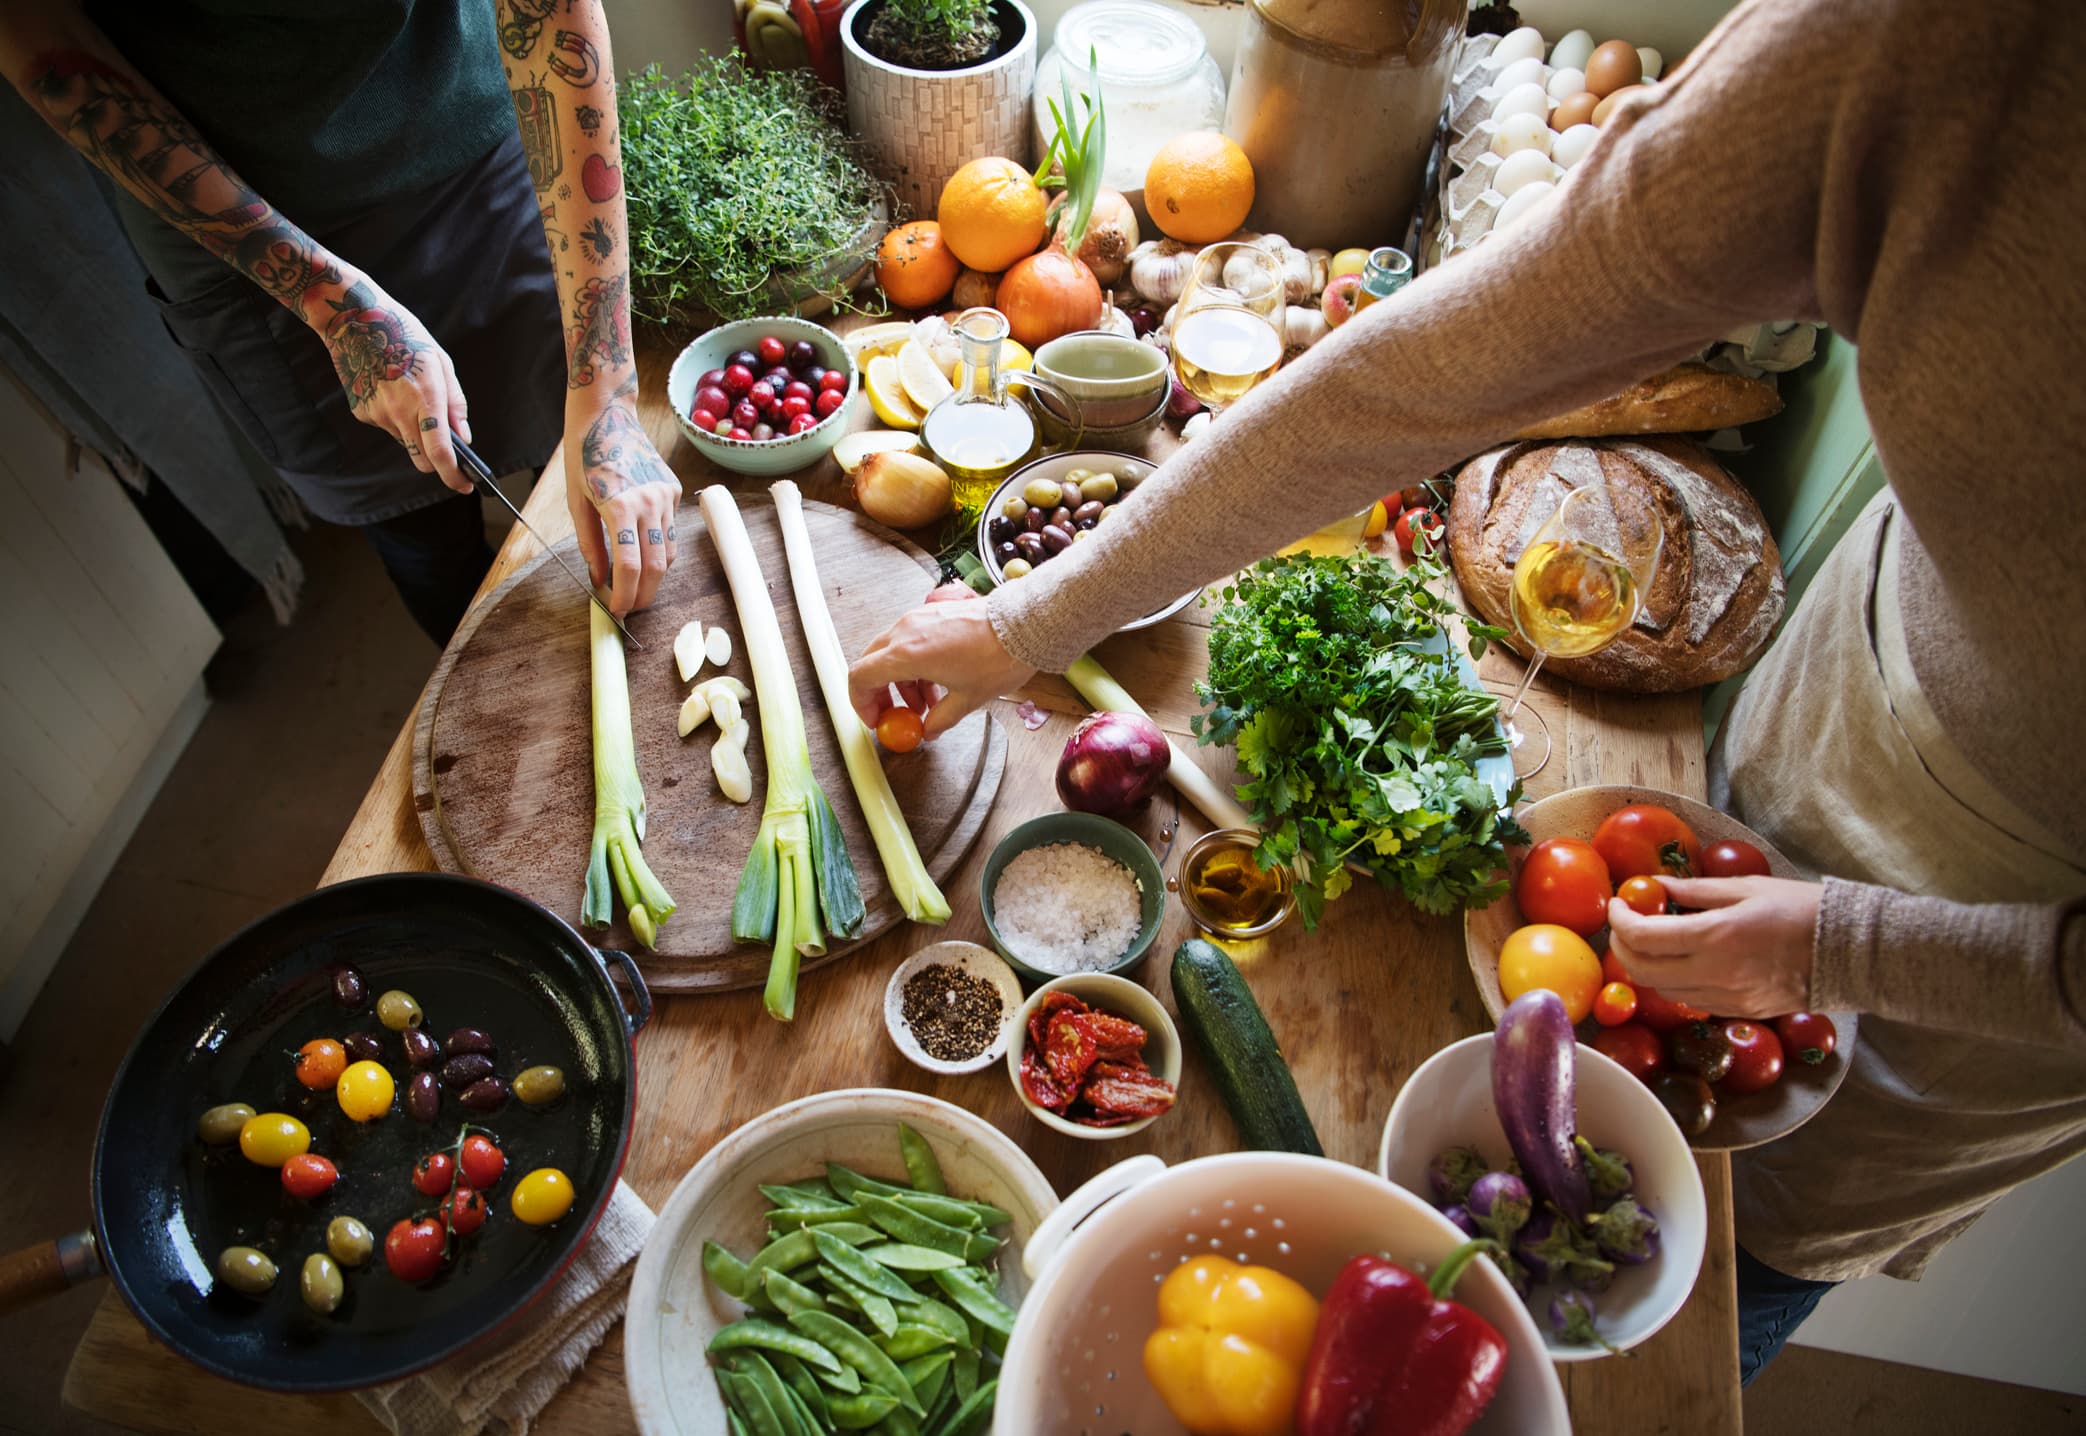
(1521, 202)
(1521, 72)
(1521, 132)
(1571, 146)
(1522, 168)
(1566, 83)
(1654, 62)
(1573, 51)
(1527, 99)
(1524, 43)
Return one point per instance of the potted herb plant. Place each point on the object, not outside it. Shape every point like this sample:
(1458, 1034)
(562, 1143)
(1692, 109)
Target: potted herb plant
(932, 84)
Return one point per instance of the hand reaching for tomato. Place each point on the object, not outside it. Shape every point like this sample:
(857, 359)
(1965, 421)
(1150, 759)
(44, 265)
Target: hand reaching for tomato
(944, 658)
(1745, 952)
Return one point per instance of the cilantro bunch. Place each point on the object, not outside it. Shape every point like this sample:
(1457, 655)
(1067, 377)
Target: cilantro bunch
(1359, 744)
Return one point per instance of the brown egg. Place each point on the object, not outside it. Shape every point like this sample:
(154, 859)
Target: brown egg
(1612, 66)
(1605, 108)
(1574, 110)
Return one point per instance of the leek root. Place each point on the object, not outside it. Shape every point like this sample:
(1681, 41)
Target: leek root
(616, 856)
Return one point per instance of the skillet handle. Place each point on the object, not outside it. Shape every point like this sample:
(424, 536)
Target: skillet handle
(30, 1275)
(633, 1023)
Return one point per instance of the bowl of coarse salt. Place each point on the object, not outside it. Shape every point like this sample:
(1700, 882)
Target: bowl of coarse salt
(950, 1007)
(1070, 893)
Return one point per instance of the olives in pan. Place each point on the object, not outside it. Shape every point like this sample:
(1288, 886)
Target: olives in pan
(219, 1127)
(539, 1086)
(364, 1046)
(398, 1011)
(244, 1269)
(424, 1097)
(320, 1284)
(349, 1241)
(421, 1049)
(487, 1094)
(349, 990)
(468, 1039)
(463, 1070)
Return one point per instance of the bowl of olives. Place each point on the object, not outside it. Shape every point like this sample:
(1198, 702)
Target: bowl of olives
(1044, 507)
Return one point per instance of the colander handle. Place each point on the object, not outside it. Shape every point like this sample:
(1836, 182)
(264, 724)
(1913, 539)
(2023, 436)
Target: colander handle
(1042, 1247)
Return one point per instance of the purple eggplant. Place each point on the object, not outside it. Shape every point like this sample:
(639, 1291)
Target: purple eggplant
(1500, 1204)
(1460, 1216)
(1451, 1172)
(1571, 1317)
(1626, 1232)
(1608, 1174)
(1533, 1056)
(1553, 1250)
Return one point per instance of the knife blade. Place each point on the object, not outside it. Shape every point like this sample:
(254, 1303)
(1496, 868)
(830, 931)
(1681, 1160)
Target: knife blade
(484, 478)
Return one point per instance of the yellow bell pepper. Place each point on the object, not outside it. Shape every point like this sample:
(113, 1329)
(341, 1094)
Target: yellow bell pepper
(1228, 1354)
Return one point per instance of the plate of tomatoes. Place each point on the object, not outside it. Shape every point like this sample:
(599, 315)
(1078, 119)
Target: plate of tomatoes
(1727, 1082)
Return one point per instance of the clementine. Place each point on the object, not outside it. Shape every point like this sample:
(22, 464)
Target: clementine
(914, 267)
(991, 214)
(1199, 187)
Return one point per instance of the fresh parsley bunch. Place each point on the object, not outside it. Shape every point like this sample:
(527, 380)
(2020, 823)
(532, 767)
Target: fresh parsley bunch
(1360, 744)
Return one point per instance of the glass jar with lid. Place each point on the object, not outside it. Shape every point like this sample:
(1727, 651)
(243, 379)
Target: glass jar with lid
(1156, 76)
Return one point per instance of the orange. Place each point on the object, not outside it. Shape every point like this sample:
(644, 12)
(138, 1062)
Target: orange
(991, 214)
(1546, 955)
(914, 267)
(1199, 187)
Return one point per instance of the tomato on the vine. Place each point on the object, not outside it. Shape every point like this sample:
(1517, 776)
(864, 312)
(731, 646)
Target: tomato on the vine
(1733, 859)
(482, 1162)
(1645, 838)
(308, 1176)
(1635, 1047)
(1643, 893)
(464, 1210)
(1563, 881)
(1616, 1004)
(432, 1174)
(1420, 520)
(414, 1248)
(1809, 1037)
(1756, 1058)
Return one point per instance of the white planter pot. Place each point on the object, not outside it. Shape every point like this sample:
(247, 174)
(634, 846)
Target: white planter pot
(921, 126)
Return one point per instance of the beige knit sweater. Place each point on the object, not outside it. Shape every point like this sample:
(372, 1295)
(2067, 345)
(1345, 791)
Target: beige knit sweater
(1908, 171)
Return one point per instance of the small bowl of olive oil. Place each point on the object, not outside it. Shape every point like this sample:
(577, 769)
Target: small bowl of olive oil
(1228, 894)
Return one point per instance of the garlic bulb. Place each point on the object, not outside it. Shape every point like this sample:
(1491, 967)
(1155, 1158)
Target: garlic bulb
(1159, 269)
(1197, 424)
(1114, 321)
(1302, 326)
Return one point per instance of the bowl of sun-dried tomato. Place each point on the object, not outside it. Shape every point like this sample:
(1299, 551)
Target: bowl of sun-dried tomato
(1095, 1056)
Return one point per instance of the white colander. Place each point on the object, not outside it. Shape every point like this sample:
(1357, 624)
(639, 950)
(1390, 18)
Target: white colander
(1075, 1364)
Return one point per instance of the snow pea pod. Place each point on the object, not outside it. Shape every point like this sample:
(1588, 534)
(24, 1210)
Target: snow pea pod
(726, 1271)
(852, 1347)
(768, 1336)
(783, 1218)
(798, 1199)
(977, 1299)
(789, 1294)
(745, 1398)
(928, 1375)
(785, 1253)
(859, 1413)
(859, 1268)
(752, 1366)
(966, 1419)
(911, 1340)
(880, 1313)
(910, 1227)
(928, 1312)
(855, 1234)
(853, 1185)
(920, 1163)
(798, 1378)
(899, 1256)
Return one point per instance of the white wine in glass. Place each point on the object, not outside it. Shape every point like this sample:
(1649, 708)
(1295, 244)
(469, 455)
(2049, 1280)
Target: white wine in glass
(1224, 338)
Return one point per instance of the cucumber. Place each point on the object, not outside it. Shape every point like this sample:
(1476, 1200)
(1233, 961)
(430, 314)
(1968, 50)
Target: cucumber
(1218, 1008)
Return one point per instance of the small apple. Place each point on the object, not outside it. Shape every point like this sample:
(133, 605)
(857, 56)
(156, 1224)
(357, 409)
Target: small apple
(1338, 303)
(1348, 261)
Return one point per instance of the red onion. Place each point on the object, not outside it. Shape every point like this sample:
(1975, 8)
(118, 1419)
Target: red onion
(1180, 404)
(1112, 764)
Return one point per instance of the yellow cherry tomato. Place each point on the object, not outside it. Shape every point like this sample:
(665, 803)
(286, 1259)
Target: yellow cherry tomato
(364, 1091)
(272, 1138)
(1546, 955)
(1379, 519)
(542, 1197)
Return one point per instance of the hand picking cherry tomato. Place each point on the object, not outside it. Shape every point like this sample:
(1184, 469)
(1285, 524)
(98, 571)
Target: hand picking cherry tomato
(1663, 1014)
(1703, 1049)
(1546, 955)
(414, 1248)
(1643, 894)
(308, 1176)
(1563, 881)
(433, 1174)
(482, 1162)
(1645, 838)
(1424, 521)
(1733, 859)
(542, 1197)
(319, 1063)
(464, 1210)
(900, 730)
(1615, 1005)
(1635, 1047)
(1809, 1037)
(1756, 1058)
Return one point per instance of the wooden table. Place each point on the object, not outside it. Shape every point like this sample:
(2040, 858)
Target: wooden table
(1356, 1005)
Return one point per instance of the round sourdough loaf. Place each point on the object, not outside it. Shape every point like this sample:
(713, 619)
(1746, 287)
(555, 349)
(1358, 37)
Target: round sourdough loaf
(1718, 592)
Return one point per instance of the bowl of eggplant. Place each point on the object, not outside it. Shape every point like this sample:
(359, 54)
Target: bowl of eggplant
(1570, 1163)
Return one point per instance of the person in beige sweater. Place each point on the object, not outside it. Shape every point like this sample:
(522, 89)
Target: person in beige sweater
(1908, 172)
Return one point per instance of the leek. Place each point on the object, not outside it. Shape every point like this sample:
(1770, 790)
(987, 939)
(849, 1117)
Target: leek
(1105, 694)
(616, 855)
(799, 866)
(915, 890)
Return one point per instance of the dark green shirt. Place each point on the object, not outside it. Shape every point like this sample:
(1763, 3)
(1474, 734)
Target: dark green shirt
(325, 107)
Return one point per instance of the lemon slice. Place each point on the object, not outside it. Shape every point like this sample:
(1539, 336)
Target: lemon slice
(877, 339)
(1012, 356)
(887, 394)
(854, 450)
(925, 383)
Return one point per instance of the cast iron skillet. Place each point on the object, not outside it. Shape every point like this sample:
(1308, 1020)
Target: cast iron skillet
(472, 954)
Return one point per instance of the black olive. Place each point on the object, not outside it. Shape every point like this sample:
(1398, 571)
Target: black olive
(1031, 546)
(1073, 497)
(363, 1046)
(1057, 540)
(469, 1039)
(1061, 516)
(421, 1050)
(462, 1071)
(1035, 518)
(349, 990)
(1001, 531)
(423, 1097)
(1087, 523)
(488, 1094)
(1006, 553)
(1088, 513)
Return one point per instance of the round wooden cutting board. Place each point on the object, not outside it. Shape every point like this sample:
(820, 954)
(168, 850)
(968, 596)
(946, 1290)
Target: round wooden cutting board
(503, 779)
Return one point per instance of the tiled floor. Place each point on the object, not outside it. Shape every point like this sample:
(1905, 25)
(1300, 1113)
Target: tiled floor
(248, 819)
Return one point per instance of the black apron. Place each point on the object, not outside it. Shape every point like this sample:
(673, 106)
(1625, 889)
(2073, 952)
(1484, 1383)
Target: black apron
(466, 256)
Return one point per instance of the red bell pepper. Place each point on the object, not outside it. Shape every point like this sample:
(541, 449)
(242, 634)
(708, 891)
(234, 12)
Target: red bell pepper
(1393, 1356)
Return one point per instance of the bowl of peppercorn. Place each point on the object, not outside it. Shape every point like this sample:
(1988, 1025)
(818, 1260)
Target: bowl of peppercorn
(950, 1007)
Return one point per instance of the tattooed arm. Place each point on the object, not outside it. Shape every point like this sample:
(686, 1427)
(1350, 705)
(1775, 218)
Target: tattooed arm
(396, 377)
(558, 68)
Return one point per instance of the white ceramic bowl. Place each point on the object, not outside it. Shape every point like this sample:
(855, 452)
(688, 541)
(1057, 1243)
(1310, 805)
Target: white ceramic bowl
(1448, 1103)
(674, 1311)
(1075, 1361)
(760, 458)
(1124, 998)
(977, 961)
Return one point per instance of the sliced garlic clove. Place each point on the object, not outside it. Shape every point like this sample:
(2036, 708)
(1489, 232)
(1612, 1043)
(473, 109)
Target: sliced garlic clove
(695, 711)
(688, 650)
(717, 647)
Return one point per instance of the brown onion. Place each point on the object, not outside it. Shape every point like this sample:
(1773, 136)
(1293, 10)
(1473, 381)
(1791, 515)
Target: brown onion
(1112, 764)
(1048, 295)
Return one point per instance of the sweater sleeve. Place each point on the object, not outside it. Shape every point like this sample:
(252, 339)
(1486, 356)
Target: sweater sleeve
(2011, 971)
(1698, 211)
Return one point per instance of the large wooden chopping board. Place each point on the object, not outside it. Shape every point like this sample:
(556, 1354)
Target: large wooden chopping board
(503, 751)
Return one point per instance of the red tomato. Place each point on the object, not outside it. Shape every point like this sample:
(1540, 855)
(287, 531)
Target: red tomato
(1756, 1058)
(1616, 1004)
(1645, 838)
(319, 1063)
(414, 1248)
(1663, 1015)
(1807, 1036)
(1422, 519)
(1564, 881)
(432, 1174)
(1643, 894)
(482, 1162)
(308, 1176)
(1733, 859)
(900, 730)
(1636, 1047)
(464, 1210)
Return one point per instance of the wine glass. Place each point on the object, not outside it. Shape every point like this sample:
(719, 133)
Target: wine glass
(1577, 588)
(1226, 336)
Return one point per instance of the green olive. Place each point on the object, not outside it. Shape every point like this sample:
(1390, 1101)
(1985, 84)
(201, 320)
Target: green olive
(1100, 486)
(1129, 476)
(1016, 568)
(398, 1011)
(320, 1284)
(247, 1270)
(220, 1125)
(539, 1086)
(1042, 493)
(1079, 476)
(1015, 509)
(1078, 534)
(349, 1241)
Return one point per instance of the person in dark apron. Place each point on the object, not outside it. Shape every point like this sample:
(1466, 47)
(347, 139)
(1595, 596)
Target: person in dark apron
(357, 213)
